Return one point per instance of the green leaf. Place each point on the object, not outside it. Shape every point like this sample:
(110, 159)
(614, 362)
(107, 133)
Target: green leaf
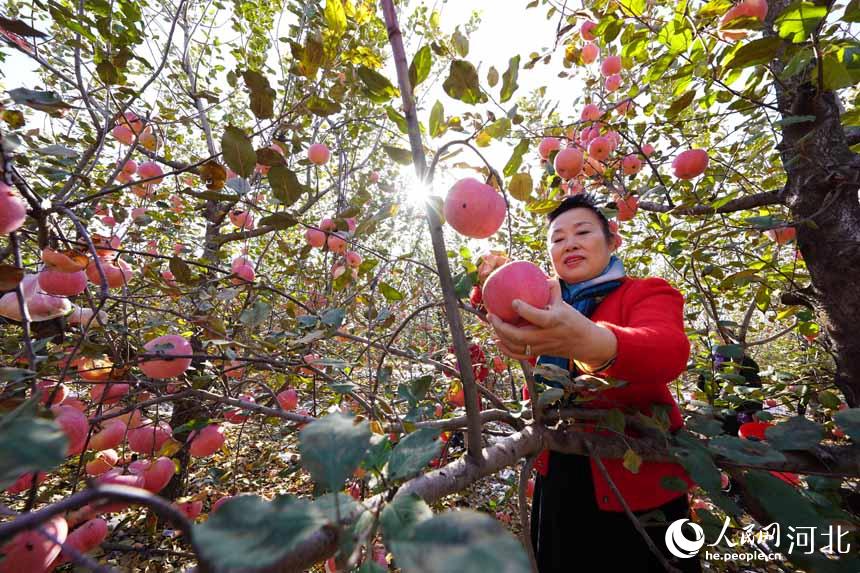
(332, 447)
(8, 374)
(400, 517)
(797, 433)
(328, 505)
(269, 157)
(615, 420)
(238, 151)
(499, 128)
(390, 293)
(550, 396)
(47, 101)
(461, 43)
(255, 314)
(29, 444)
(108, 73)
(745, 451)
(401, 156)
(794, 119)
(462, 541)
(418, 387)
(370, 566)
(759, 51)
(310, 56)
(852, 11)
(509, 79)
(836, 75)
(261, 93)
(681, 103)
(632, 7)
(413, 453)
(799, 20)
(280, 221)
(730, 350)
(180, 270)
(492, 77)
(335, 17)
(463, 284)
(333, 317)
(677, 36)
(798, 62)
(787, 506)
(828, 399)
(516, 158)
(697, 460)
(57, 151)
(398, 119)
(321, 106)
(247, 532)
(543, 206)
(376, 86)
(437, 120)
(377, 454)
(714, 8)
(420, 67)
(849, 421)
(285, 184)
(463, 84)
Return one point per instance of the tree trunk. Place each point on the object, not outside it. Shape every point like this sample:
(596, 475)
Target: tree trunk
(821, 193)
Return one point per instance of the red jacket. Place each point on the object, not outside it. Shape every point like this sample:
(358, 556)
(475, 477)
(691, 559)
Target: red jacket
(646, 316)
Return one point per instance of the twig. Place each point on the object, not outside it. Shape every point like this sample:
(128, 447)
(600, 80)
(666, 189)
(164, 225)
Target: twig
(455, 323)
(522, 491)
(636, 523)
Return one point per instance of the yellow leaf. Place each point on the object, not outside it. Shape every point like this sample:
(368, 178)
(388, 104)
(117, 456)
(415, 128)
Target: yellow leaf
(520, 186)
(632, 461)
(213, 174)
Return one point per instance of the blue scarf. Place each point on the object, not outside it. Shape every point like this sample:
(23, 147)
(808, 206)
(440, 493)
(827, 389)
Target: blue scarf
(584, 297)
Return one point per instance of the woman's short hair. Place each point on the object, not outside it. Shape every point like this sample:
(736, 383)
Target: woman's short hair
(582, 201)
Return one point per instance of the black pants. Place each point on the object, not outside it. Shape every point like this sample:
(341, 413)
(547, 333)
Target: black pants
(567, 524)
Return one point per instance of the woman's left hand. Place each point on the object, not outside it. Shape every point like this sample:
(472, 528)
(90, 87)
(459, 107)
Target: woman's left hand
(557, 330)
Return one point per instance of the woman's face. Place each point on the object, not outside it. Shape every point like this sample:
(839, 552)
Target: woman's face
(577, 245)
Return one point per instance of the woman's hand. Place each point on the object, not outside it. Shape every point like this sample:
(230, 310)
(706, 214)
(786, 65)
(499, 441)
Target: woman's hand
(557, 330)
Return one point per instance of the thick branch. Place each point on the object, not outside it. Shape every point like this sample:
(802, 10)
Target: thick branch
(741, 204)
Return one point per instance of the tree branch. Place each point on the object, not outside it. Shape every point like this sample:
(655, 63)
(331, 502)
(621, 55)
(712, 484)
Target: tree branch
(395, 38)
(740, 204)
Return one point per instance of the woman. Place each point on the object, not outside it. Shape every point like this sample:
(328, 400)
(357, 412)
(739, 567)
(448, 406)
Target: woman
(602, 322)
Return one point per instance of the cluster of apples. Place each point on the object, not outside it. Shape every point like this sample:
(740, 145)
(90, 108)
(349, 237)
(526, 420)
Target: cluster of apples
(129, 125)
(63, 275)
(610, 67)
(142, 436)
(326, 235)
(588, 152)
(477, 210)
(33, 552)
(149, 173)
